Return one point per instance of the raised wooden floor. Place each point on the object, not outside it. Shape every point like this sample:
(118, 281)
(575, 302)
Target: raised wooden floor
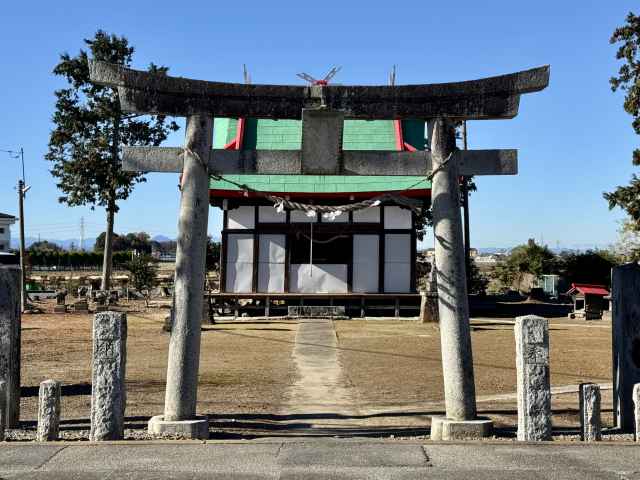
(275, 304)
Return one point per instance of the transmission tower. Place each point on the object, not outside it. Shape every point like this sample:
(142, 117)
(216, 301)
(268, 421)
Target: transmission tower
(82, 234)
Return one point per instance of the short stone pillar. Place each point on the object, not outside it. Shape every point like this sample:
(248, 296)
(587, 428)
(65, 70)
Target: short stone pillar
(3, 408)
(48, 411)
(108, 394)
(534, 388)
(625, 326)
(10, 324)
(428, 307)
(636, 405)
(590, 422)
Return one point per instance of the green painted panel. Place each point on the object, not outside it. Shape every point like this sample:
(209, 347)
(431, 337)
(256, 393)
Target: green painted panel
(413, 133)
(224, 130)
(321, 183)
(264, 134)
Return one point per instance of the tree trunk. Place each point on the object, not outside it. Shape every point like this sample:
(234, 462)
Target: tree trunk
(107, 261)
(108, 248)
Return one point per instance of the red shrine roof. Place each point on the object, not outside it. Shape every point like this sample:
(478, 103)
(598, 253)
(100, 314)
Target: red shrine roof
(588, 289)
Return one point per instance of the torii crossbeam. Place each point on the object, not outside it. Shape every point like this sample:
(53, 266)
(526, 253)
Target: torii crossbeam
(322, 109)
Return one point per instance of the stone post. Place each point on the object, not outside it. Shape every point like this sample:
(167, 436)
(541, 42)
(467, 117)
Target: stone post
(534, 389)
(184, 344)
(457, 361)
(48, 411)
(10, 325)
(108, 394)
(625, 326)
(590, 423)
(636, 404)
(3, 408)
(453, 308)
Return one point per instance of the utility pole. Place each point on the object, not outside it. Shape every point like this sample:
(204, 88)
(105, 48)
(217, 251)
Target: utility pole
(22, 189)
(465, 204)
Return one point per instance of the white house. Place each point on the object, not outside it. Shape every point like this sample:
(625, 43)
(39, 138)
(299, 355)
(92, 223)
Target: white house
(5, 231)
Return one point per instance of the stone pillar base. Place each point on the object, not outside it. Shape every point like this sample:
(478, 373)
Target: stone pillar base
(443, 428)
(198, 428)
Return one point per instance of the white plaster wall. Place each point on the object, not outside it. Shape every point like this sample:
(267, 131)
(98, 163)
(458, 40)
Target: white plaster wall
(365, 263)
(239, 263)
(271, 261)
(396, 217)
(322, 278)
(241, 218)
(298, 216)
(368, 215)
(268, 214)
(397, 262)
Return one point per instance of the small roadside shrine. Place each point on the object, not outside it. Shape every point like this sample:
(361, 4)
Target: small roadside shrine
(589, 301)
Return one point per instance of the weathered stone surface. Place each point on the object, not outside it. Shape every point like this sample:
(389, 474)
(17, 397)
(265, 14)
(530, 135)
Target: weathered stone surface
(321, 141)
(625, 295)
(444, 429)
(455, 334)
(196, 428)
(429, 307)
(316, 311)
(636, 410)
(108, 394)
(288, 162)
(48, 411)
(533, 389)
(184, 345)
(494, 97)
(3, 408)
(10, 325)
(590, 422)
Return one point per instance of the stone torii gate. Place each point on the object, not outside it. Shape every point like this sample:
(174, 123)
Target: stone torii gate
(322, 109)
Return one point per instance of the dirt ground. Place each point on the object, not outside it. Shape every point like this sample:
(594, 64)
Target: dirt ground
(246, 366)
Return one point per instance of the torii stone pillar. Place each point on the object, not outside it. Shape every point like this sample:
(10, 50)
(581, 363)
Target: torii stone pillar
(455, 335)
(184, 345)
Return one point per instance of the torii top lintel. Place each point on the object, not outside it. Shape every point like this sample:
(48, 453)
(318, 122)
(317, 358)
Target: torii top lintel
(488, 98)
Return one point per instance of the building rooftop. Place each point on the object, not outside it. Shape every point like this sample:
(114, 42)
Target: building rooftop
(264, 134)
(588, 289)
(6, 216)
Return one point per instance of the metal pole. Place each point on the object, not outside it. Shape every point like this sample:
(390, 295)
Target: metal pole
(23, 276)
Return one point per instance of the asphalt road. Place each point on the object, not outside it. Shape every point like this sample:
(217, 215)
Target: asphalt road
(318, 459)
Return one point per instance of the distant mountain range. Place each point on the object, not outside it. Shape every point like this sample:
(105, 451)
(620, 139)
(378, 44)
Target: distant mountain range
(67, 244)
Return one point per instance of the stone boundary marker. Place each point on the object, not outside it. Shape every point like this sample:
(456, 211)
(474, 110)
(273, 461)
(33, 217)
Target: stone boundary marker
(590, 422)
(3, 408)
(533, 384)
(625, 326)
(636, 402)
(108, 394)
(48, 411)
(10, 323)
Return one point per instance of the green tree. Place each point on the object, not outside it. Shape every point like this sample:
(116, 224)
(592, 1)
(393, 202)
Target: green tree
(532, 258)
(144, 273)
(592, 266)
(213, 254)
(90, 127)
(628, 80)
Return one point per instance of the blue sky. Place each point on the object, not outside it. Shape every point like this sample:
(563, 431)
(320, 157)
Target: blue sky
(574, 138)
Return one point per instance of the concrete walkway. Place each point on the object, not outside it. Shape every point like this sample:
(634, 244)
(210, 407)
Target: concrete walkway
(321, 385)
(326, 459)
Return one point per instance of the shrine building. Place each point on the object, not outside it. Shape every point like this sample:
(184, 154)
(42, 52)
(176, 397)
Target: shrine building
(299, 256)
